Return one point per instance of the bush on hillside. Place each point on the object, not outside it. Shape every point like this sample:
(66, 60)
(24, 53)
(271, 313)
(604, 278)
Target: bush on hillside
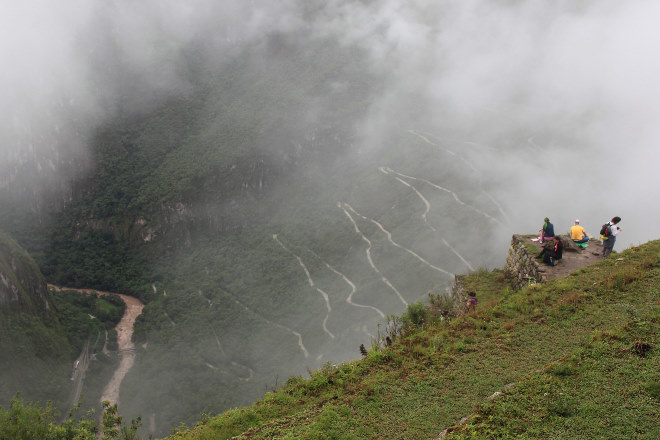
(416, 315)
(30, 421)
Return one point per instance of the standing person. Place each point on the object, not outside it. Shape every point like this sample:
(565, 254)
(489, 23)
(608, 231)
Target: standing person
(552, 254)
(547, 231)
(578, 234)
(608, 234)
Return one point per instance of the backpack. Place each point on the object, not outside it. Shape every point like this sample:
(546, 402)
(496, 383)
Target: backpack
(605, 230)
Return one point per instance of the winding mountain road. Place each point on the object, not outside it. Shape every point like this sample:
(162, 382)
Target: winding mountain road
(325, 296)
(469, 165)
(394, 243)
(387, 171)
(387, 282)
(349, 298)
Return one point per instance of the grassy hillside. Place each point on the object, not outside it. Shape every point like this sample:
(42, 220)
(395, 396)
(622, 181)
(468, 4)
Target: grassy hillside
(582, 353)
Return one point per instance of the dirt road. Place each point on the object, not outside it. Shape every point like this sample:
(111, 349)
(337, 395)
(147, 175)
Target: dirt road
(126, 347)
(124, 341)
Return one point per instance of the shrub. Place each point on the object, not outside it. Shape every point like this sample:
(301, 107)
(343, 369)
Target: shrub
(415, 315)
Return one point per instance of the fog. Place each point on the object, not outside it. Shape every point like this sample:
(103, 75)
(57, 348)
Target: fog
(575, 80)
(551, 106)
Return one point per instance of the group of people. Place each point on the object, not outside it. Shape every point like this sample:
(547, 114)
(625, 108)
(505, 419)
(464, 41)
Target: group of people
(551, 254)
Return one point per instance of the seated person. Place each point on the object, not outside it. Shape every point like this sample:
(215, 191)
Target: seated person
(552, 253)
(547, 231)
(578, 234)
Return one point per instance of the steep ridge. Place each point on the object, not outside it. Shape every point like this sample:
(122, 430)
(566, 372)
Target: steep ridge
(34, 346)
(22, 286)
(604, 317)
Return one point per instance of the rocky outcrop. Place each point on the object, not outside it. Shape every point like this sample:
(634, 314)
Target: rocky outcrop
(521, 267)
(458, 296)
(568, 244)
(22, 286)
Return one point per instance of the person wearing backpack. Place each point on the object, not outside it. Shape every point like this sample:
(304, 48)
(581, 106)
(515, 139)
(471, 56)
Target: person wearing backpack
(608, 234)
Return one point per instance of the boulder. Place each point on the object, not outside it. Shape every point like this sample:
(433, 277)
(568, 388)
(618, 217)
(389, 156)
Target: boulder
(569, 244)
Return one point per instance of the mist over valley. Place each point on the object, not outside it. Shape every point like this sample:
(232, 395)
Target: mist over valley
(273, 180)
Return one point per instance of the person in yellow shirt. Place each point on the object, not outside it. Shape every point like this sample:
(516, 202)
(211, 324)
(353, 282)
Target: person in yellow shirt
(578, 234)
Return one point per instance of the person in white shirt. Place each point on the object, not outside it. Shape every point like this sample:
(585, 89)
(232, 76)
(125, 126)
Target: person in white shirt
(609, 238)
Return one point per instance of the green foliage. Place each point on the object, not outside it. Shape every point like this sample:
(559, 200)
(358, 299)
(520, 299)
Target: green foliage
(95, 259)
(84, 314)
(562, 370)
(416, 314)
(31, 421)
(113, 426)
(28, 422)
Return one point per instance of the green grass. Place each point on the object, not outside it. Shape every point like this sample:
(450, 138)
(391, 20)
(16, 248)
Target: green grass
(581, 350)
(561, 401)
(531, 248)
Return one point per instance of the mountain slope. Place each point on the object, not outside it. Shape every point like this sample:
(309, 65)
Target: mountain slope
(23, 287)
(581, 353)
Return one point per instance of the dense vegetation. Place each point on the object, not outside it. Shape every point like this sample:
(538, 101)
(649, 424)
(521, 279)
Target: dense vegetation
(574, 358)
(37, 351)
(22, 421)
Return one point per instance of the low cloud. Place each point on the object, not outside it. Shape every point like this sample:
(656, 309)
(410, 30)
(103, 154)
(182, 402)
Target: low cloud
(564, 92)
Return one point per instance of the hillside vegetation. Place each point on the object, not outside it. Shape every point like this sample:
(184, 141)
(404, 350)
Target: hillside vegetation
(581, 353)
(42, 332)
(23, 287)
